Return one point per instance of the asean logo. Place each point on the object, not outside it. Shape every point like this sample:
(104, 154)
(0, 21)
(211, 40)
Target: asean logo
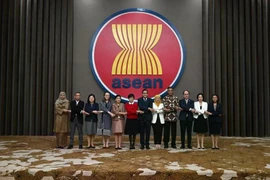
(135, 49)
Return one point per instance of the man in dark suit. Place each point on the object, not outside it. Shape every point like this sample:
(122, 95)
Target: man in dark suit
(186, 118)
(76, 120)
(145, 117)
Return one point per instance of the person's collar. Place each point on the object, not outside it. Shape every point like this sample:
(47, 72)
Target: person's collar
(131, 103)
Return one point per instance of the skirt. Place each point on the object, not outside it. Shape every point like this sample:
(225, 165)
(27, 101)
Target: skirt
(118, 126)
(215, 128)
(200, 125)
(132, 127)
(91, 127)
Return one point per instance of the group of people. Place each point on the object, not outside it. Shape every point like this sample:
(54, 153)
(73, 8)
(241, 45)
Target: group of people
(107, 118)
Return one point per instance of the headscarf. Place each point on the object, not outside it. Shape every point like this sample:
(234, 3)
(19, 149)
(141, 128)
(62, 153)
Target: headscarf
(61, 101)
(155, 101)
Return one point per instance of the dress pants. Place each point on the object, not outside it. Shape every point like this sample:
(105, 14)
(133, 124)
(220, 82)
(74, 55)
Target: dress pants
(76, 125)
(157, 128)
(145, 128)
(170, 126)
(186, 125)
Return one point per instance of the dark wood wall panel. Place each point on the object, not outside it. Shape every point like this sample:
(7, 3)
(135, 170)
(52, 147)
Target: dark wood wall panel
(36, 43)
(236, 63)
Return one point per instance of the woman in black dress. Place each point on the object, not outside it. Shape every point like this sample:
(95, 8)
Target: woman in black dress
(200, 120)
(215, 122)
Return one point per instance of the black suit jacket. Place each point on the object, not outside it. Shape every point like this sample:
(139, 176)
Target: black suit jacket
(143, 106)
(216, 114)
(185, 114)
(76, 110)
(90, 108)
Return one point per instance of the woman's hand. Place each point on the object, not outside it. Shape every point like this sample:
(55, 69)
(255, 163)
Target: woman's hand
(112, 115)
(95, 112)
(139, 112)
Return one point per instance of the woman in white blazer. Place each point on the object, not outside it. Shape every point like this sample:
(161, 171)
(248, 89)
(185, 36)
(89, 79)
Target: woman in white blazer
(158, 120)
(200, 120)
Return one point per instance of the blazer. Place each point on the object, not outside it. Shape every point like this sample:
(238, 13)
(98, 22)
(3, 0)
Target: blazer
(186, 114)
(143, 106)
(159, 112)
(89, 109)
(116, 110)
(76, 111)
(216, 114)
(201, 111)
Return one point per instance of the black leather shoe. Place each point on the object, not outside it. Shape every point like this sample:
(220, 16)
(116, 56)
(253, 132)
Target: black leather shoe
(189, 147)
(166, 146)
(147, 147)
(70, 146)
(182, 147)
(142, 147)
(174, 146)
(80, 146)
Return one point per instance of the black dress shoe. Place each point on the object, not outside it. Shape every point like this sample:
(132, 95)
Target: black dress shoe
(92, 147)
(147, 147)
(80, 146)
(174, 146)
(182, 147)
(166, 146)
(88, 147)
(189, 147)
(217, 148)
(142, 147)
(70, 146)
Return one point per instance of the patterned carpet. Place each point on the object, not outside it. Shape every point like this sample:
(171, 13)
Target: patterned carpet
(34, 157)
